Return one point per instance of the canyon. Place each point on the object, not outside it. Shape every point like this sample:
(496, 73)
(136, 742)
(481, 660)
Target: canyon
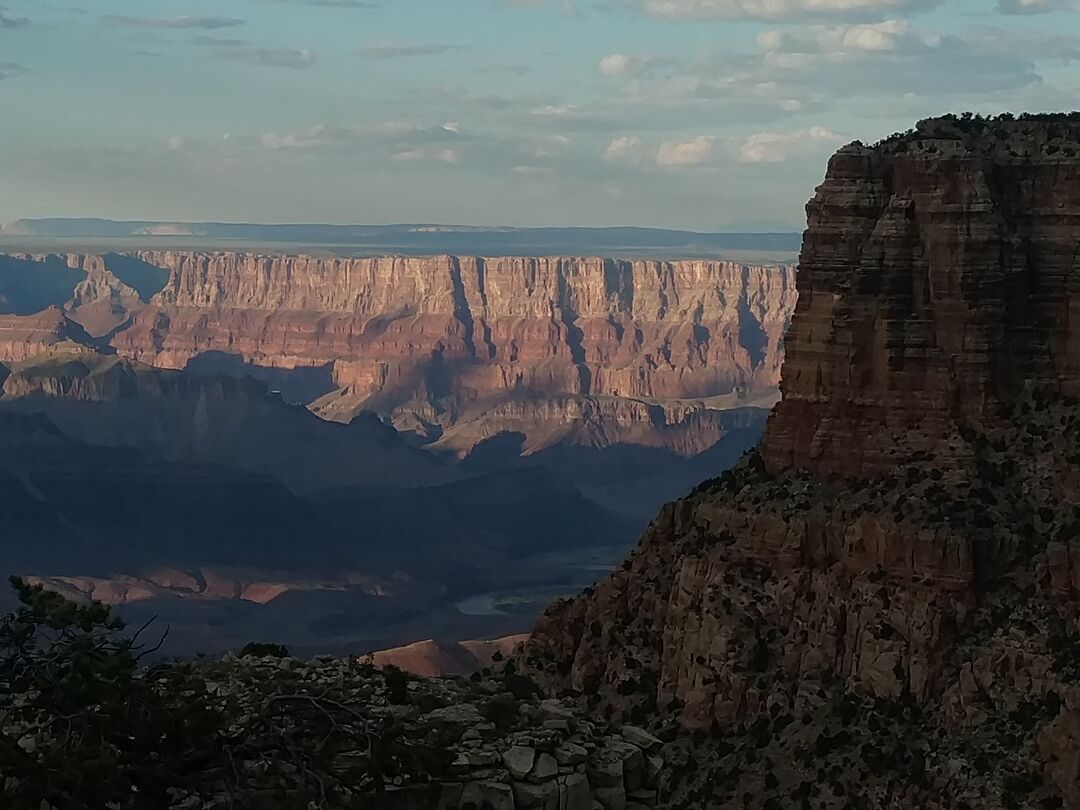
(434, 343)
(432, 430)
(879, 608)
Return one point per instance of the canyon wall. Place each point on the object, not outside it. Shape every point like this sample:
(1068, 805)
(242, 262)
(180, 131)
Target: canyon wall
(937, 280)
(26, 336)
(554, 325)
(904, 634)
(449, 348)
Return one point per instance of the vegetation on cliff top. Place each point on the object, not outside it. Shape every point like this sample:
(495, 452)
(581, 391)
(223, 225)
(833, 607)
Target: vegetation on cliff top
(84, 724)
(997, 127)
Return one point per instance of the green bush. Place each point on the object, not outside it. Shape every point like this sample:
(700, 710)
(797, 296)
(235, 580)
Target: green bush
(397, 685)
(85, 725)
(80, 726)
(258, 649)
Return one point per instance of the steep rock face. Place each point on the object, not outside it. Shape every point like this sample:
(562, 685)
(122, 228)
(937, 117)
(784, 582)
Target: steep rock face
(24, 336)
(907, 637)
(937, 278)
(600, 326)
(687, 428)
(102, 301)
(99, 292)
(439, 343)
(431, 338)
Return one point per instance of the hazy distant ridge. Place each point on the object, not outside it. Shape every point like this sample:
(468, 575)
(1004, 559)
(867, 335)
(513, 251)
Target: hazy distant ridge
(416, 238)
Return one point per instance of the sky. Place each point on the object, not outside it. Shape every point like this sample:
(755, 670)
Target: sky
(706, 115)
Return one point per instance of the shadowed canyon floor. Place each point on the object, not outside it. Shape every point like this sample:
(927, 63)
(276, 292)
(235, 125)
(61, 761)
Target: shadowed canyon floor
(465, 438)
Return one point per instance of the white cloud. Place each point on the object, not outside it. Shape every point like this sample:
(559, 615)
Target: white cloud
(626, 147)
(886, 36)
(686, 153)
(400, 51)
(315, 136)
(555, 110)
(620, 64)
(186, 22)
(1034, 6)
(807, 68)
(567, 6)
(404, 137)
(774, 147)
(782, 9)
(296, 59)
(451, 156)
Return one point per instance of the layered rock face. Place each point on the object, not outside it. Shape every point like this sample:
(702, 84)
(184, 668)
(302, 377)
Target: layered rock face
(576, 350)
(433, 339)
(26, 336)
(908, 636)
(937, 279)
(589, 326)
(100, 293)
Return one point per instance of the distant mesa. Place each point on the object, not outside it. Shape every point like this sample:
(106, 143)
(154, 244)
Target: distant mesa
(406, 239)
(166, 230)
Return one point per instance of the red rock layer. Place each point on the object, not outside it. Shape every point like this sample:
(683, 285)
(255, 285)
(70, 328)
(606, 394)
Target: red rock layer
(466, 327)
(938, 277)
(24, 336)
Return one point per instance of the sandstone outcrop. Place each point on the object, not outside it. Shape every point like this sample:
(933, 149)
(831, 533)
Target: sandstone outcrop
(581, 351)
(905, 634)
(435, 340)
(937, 279)
(26, 336)
(99, 292)
(435, 659)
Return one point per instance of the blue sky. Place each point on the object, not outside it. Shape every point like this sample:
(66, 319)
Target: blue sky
(701, 114)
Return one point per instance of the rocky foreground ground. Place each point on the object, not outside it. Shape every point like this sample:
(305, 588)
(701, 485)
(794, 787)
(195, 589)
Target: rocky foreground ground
(81, 725)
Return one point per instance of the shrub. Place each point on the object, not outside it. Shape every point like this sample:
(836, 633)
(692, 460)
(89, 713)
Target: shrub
(81, 727)
(397, 685)
(258, 649)
(502, 710)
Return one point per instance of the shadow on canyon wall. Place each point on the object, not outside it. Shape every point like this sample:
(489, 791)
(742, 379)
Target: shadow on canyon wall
(296, 385)
(27, 287)
(146, 279)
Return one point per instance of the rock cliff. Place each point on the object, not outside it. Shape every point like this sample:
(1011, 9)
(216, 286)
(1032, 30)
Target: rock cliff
(937, 279)
(432, 341)
(905, 634)
(580, 351)
(585, 351)
(99, 292)
(26, 336)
